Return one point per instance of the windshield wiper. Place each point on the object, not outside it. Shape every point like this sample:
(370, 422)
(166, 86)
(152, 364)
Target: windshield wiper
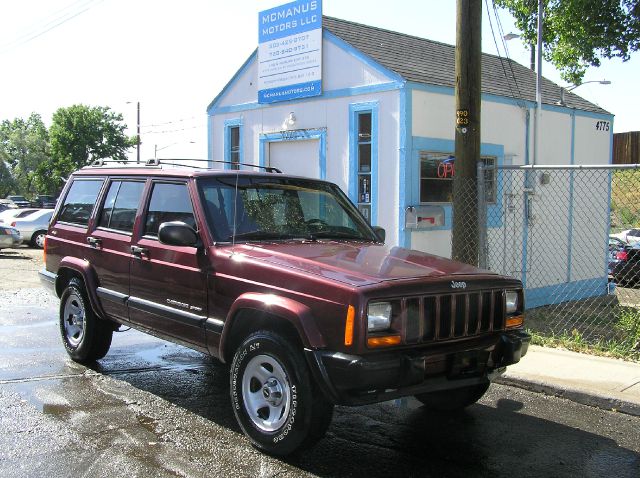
(339, 235)
(264, 235)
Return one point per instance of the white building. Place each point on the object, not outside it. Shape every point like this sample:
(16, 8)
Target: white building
(383, 129)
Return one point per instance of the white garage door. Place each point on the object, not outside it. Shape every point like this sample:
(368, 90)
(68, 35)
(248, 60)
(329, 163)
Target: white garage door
(300, 158)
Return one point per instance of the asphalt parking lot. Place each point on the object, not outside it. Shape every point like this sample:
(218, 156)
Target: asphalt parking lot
(151, 408)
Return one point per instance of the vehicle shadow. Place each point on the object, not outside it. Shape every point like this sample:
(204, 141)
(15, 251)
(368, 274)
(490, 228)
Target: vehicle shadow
(8, 254)
(504, 435)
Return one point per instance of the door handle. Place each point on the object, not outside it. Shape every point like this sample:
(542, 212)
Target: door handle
(94, 242)
(138, 251)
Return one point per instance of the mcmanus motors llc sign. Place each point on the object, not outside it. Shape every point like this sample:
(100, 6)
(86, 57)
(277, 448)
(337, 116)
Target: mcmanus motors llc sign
(290, 51)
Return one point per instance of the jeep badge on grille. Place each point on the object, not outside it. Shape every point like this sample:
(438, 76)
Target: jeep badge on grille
(458, 284)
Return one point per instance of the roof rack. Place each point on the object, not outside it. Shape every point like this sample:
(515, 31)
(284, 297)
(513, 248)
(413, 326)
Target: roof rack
(157, 163)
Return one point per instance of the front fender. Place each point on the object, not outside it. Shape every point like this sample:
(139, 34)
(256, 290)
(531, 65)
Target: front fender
(85, 270)
(297, 314)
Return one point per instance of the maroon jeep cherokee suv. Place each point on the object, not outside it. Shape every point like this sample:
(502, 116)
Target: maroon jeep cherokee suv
(283, 278)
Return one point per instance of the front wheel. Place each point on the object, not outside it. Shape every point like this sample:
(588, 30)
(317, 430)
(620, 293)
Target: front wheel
(274, 399)
(86, 338)
(456, 399)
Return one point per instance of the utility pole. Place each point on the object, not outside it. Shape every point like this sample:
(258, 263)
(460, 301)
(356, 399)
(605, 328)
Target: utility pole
(468, 94)
(138, 136)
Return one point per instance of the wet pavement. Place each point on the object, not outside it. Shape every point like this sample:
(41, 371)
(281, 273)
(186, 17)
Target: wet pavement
(151, 408)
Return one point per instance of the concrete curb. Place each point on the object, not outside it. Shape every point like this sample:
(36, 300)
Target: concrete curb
(591, 399)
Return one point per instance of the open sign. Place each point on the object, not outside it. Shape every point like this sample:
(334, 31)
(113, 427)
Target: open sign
(446, 169)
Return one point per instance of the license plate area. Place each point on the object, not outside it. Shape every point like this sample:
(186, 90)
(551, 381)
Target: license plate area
(470, 363)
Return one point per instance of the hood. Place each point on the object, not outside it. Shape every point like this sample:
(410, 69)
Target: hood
(356, 263)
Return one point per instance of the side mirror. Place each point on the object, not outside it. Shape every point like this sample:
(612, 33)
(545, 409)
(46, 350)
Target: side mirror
(176, 233)
(380, 232)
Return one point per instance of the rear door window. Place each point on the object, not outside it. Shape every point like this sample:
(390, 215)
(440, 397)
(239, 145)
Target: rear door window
(80, 201)
(169, 202)
(121, 205)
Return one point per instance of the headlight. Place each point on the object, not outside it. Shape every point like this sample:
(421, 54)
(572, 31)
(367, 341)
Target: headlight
(379, 316)
(512, 301)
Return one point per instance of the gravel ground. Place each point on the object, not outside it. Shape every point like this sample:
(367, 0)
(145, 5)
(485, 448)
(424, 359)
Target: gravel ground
(19, 268)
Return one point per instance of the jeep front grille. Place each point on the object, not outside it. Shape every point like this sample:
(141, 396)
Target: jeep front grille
(447, 316)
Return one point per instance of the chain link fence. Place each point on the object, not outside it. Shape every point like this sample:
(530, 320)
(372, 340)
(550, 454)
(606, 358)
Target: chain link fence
(572, 235)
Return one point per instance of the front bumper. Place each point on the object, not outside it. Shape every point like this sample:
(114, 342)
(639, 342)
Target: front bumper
(358, 380)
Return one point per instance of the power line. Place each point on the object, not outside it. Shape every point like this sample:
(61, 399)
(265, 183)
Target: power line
(504, 44)
(57, 19)
(174, 130)
(504, 70)
(169, 122)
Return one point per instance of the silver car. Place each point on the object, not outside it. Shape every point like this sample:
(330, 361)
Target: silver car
(34, 226)
(9, 237)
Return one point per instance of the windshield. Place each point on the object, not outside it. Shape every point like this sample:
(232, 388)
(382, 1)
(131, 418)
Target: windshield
(268, 209)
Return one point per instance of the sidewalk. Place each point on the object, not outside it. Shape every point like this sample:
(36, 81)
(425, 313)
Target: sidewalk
(601, 382)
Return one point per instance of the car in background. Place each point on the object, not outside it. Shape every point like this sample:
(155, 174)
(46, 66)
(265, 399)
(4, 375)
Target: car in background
(9, 237)
(630, 236)
(10, 214)
(6, 204)
(34, 226)
(19, 201)
(624, 264)
(44, 201)
(616, 246)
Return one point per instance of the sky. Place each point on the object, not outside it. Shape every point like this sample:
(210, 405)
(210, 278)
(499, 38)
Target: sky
(175, 57)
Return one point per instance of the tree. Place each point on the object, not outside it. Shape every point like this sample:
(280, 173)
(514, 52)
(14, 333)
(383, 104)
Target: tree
(23, 147)
(78, 135)
(578, 33)
(7, 186)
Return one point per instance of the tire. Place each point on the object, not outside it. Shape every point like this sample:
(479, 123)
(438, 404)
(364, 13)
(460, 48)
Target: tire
(273, 397)
(453, 400)
(37, 239)
(85, 337)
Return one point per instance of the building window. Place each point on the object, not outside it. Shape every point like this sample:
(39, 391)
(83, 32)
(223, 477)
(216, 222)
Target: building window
(233, 143)
(364, 163)
(234, 149)
(436, 177)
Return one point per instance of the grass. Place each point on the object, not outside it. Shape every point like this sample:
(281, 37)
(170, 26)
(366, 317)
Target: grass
(595, 327)
(625, 199)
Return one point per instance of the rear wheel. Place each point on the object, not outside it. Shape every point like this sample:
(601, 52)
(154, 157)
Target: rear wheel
(456, 399)
(85, 337)
(274, 399)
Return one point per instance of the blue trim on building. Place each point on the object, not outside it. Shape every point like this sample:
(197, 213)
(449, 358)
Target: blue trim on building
(211, 109)
(354, 110)
(326, 95)
(301, 135)
(494, 211)
(571, 188)
(359, 55)
(406, 146)
(447, 90)
(558, 293)
(228, 124)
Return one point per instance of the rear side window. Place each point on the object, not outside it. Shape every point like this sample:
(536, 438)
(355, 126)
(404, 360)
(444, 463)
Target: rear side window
(169, 202)
(80, 201)
(121, 204)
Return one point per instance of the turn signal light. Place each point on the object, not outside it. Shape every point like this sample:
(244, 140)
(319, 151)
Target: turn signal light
(348, 328)
(515, 321)
(386, 341)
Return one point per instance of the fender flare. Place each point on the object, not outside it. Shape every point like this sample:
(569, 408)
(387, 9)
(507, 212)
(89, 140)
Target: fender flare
(88, 274)
(282, 308)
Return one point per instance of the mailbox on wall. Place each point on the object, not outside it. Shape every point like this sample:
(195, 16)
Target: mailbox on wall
(424, 217)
